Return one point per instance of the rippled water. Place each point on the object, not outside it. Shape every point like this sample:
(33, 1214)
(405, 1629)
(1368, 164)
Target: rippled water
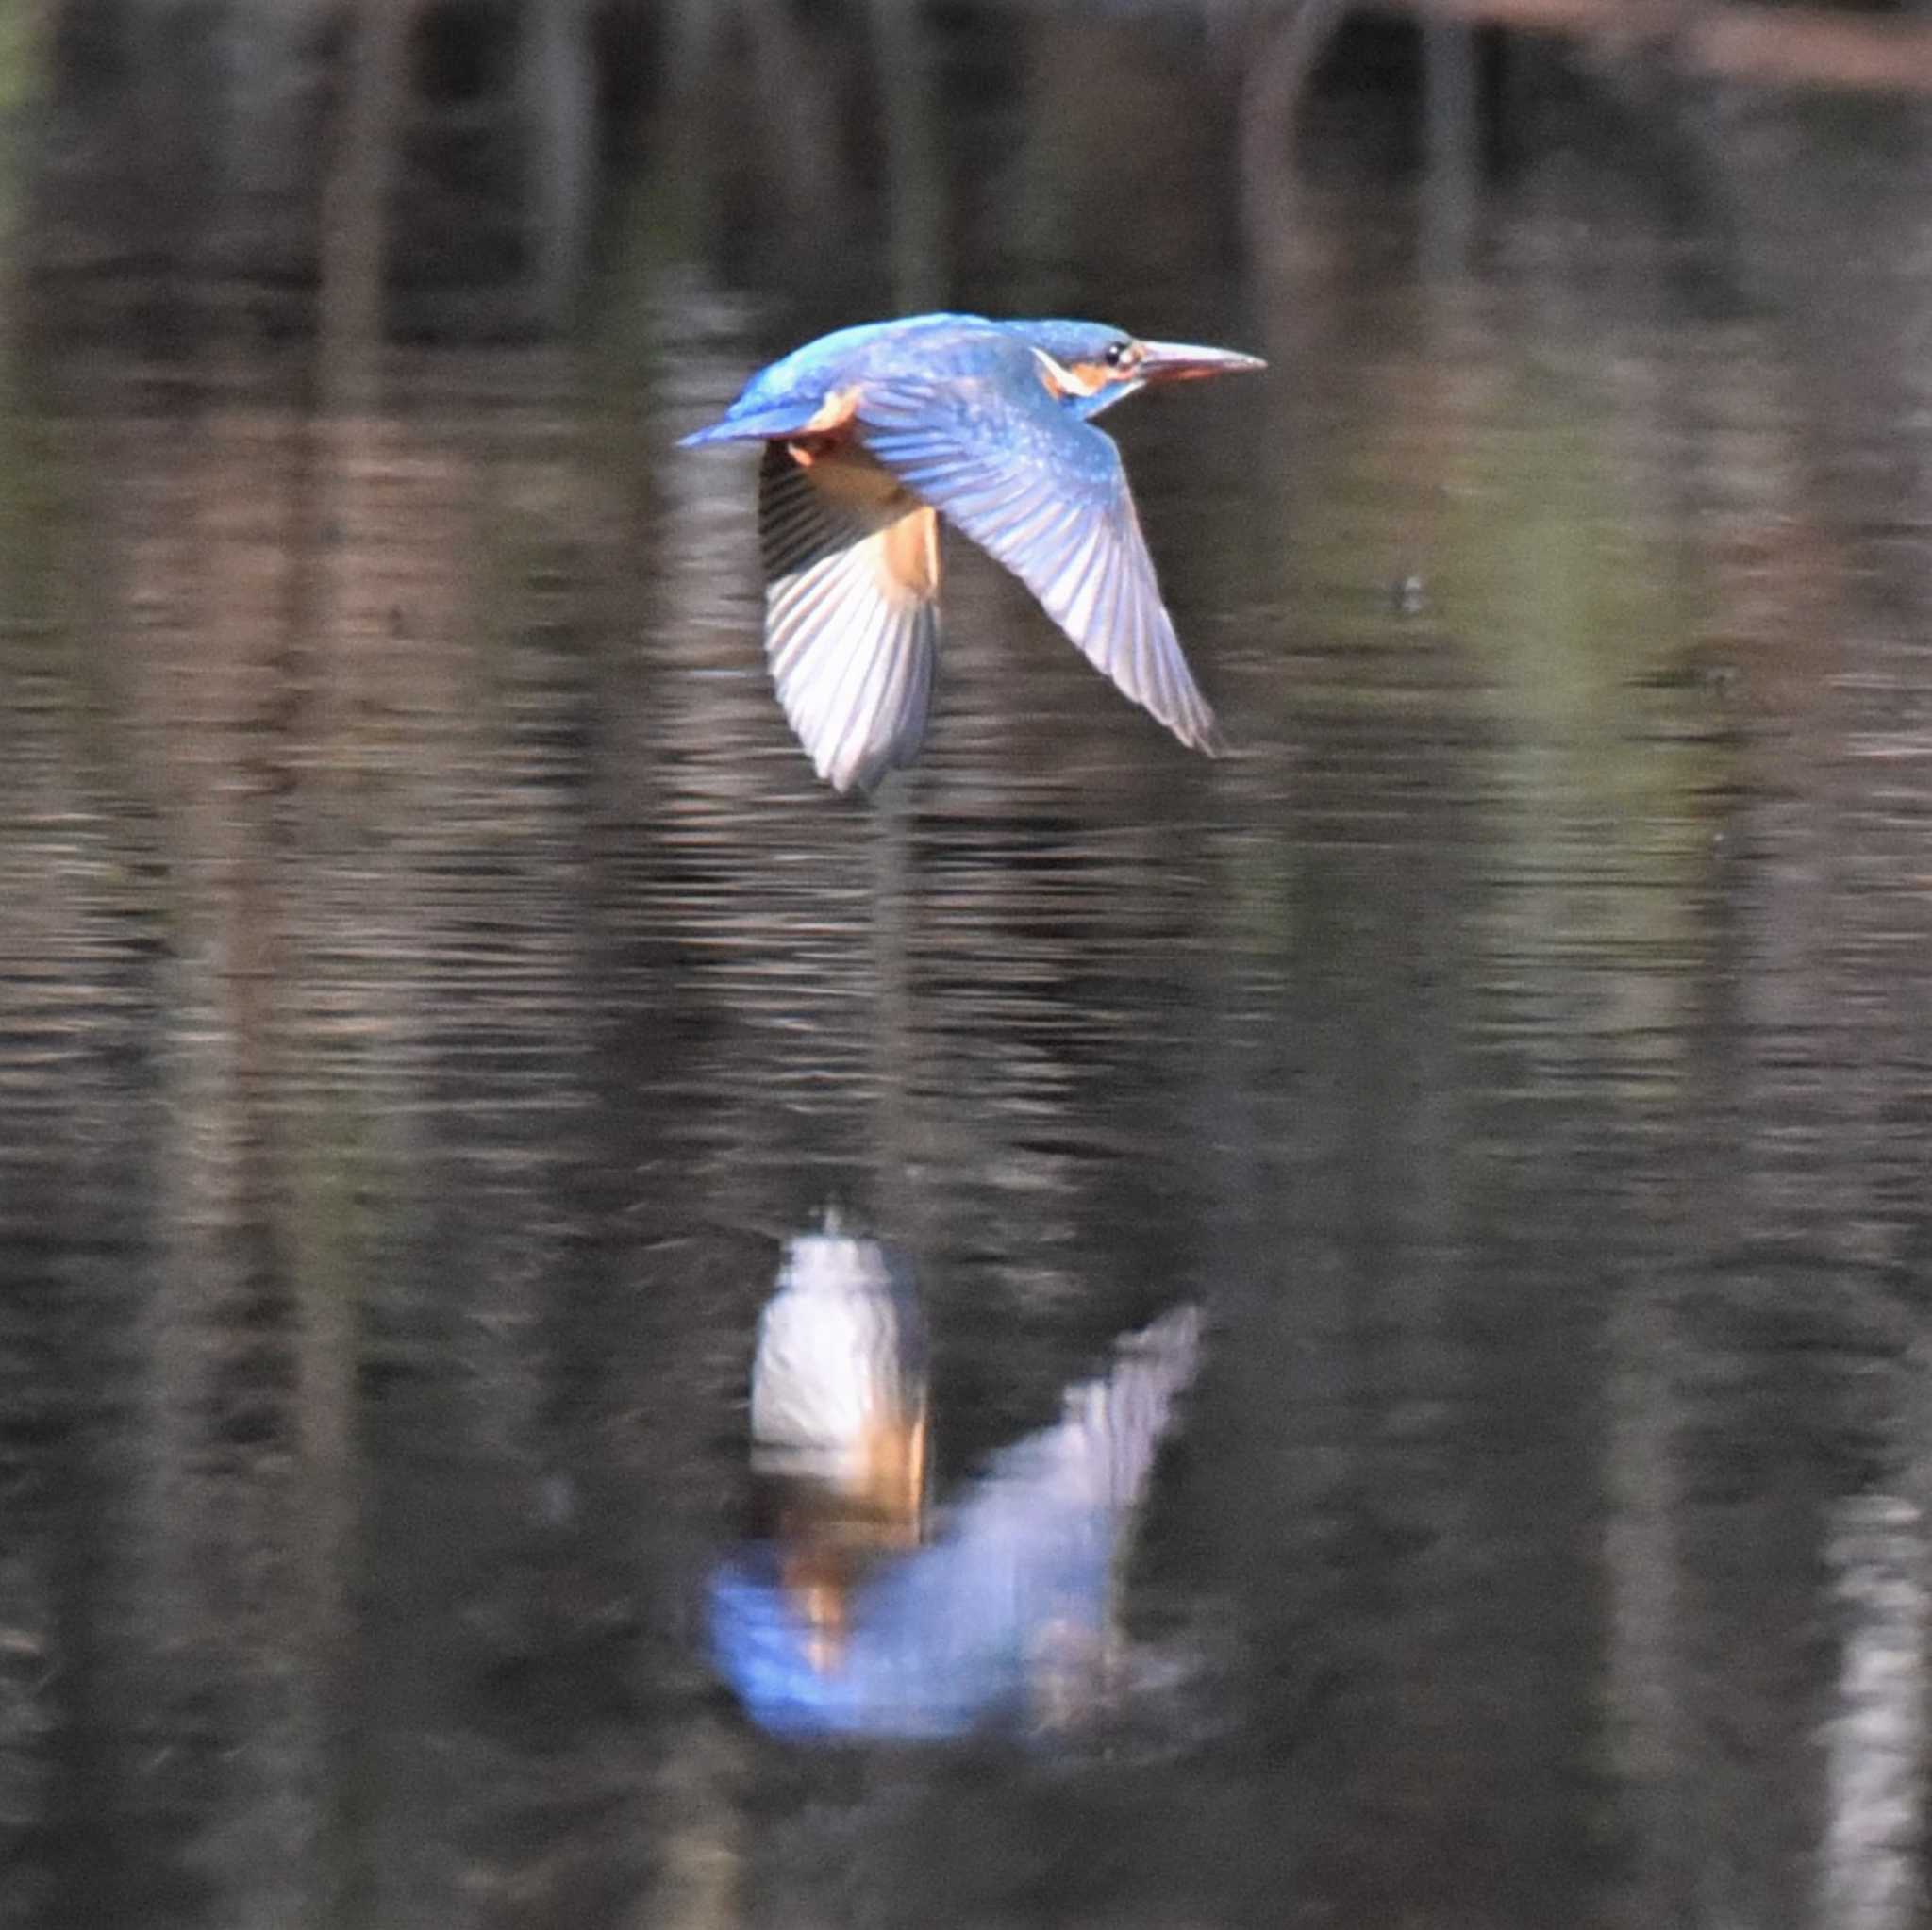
(435, 986)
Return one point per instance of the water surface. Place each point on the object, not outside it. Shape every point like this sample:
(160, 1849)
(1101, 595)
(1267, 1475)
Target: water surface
(433, 985)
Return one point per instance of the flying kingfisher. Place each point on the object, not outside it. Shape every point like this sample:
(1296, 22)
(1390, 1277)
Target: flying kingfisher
(871, 434)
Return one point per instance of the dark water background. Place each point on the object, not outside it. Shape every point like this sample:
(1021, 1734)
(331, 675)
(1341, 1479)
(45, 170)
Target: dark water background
(432, 983)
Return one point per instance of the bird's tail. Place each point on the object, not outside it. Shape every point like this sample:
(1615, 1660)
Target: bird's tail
(753, 425)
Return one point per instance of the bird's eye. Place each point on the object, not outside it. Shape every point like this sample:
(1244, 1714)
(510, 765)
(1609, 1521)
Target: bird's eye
(1119, 354)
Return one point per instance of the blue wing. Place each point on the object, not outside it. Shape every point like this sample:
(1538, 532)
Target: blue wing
(1045, 494)
(851, 612)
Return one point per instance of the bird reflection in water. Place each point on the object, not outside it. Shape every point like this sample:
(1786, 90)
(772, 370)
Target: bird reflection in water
(847, 1615)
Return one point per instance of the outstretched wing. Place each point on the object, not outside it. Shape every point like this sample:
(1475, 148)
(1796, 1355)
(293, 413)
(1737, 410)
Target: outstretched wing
(1045, 494)
(852, 579)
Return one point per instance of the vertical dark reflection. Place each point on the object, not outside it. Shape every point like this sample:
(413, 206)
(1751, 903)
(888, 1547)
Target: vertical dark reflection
(1453, 146)
(88, 1688)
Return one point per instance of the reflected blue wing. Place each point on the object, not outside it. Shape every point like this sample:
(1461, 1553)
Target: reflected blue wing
(1045, 494)
(851, 618)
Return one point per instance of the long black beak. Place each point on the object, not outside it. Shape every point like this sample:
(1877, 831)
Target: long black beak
(1182, 361)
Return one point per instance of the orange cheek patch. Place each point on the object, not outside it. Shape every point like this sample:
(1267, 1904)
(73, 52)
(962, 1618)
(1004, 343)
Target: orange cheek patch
(1059, 379)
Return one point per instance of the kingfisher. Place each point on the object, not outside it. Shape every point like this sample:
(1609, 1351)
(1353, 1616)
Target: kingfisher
(856, 1610)
(871, 434)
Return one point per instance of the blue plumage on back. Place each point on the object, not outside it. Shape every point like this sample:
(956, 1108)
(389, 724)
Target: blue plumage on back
(790, 389)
